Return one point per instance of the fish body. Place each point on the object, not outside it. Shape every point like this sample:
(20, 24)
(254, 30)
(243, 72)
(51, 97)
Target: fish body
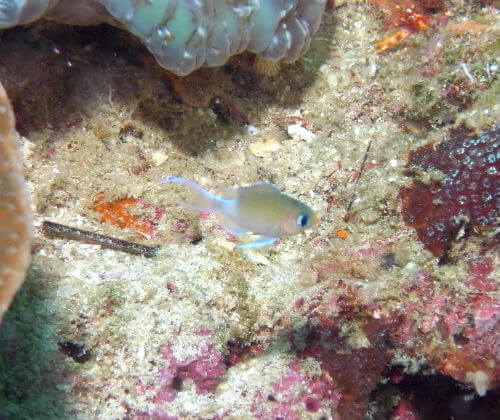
(260, 209)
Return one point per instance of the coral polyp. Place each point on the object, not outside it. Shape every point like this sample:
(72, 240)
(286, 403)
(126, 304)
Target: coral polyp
(185, 35)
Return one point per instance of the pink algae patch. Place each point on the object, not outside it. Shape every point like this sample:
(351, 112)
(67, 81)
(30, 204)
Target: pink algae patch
(369, 252)
(205, 370)
(312, 404)
(294, 393)
(204, 215)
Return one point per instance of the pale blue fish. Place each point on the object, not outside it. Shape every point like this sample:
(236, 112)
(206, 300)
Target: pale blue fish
(259, 209)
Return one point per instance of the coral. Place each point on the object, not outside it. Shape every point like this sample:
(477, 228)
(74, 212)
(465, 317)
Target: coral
(30, 363)
(475, 360)
(19, 11)
(466, 197)
(405, 13)
(356, 336)
(184, 36)
(80, 12)
(15, 214)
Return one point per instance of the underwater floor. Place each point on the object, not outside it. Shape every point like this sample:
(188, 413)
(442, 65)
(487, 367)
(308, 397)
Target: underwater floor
(388, 308)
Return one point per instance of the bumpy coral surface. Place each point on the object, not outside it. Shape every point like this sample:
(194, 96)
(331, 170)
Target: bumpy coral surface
(15, 215)
(185, 35)
(467, 196)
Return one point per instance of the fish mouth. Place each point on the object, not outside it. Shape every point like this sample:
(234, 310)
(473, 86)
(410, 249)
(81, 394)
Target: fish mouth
(315, 218)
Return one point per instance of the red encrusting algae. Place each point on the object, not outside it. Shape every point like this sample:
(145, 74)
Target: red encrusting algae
(117, 213)
(355, 371)
(409, 16)
(466, 198)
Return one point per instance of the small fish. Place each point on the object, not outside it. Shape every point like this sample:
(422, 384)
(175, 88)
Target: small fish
(260, 209)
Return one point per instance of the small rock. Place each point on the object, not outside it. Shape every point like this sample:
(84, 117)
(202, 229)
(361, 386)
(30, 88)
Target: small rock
(264, 146)
(159, 157)
(76, 351)
(297, 132)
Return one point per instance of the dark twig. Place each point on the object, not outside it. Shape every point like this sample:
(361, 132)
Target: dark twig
(355, 181)
(56, 229)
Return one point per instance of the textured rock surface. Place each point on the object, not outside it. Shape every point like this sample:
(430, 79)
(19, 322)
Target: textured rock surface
(15, 214)
(353, 318)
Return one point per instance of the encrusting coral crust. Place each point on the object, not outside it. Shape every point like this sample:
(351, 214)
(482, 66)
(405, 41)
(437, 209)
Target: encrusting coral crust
(15, 218)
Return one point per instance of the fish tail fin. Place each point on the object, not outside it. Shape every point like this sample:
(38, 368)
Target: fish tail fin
(201, 199)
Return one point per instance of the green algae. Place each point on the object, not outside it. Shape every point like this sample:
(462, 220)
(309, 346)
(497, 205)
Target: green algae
(427, 101)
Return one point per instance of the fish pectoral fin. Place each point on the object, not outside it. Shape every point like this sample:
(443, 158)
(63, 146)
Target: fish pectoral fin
(230, 226)
(259, 243)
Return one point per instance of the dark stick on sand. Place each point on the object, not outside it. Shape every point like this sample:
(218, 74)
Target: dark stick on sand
(56, 229)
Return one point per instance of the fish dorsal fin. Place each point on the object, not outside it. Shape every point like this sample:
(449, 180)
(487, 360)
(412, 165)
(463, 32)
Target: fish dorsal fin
(259, 188)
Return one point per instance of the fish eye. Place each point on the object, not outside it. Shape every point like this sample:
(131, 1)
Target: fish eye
(303, 220)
